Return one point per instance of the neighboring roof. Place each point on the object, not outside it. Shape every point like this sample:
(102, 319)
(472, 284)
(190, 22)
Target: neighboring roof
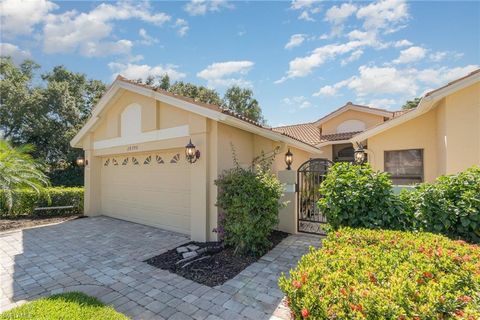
(350, 106)
(305, 131)
(208, 110)
(426, 104)
(310, 133)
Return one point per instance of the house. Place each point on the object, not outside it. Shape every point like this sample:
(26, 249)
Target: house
(136, 166)
(135, 149)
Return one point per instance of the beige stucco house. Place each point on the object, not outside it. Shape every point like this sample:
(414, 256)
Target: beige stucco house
(135, 142)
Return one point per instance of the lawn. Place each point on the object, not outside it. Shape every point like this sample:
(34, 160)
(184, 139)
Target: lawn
(71, 305)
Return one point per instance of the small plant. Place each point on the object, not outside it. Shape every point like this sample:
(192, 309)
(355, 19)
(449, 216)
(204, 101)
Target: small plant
(379, 274)
(357, 196)
(249, 199)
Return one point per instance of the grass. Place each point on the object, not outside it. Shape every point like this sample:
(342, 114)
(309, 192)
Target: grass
(71, 306)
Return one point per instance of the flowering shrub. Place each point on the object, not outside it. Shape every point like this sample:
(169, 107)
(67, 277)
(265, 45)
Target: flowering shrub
(450, 206)
(249, 199)
(357, 196)
(378, 274)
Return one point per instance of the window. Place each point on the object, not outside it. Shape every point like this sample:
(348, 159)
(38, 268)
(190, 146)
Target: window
(405, 166)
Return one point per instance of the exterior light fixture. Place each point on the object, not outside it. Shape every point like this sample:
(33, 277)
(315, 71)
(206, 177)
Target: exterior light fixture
(81, 162)
(191, 153)
(289, 159)
(359, 154)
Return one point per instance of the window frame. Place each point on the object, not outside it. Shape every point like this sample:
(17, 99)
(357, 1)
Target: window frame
(392, 177)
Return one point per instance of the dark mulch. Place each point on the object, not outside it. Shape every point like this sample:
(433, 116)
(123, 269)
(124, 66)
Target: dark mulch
(22, 222)
(216, 269)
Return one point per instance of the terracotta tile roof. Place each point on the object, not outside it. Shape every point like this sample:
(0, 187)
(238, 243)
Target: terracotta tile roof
(305, 132)
(338, 136)
(310, 133)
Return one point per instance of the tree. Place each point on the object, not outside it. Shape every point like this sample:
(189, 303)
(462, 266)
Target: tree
(19, 170)
(47, 115)
(242, 101)
(198, 93)
(411, 104)
(164, 82)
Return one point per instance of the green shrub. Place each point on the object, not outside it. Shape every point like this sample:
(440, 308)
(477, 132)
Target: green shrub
(249, 200)
(450, 206)
(25, 201)
(377, 274)
(357, 196)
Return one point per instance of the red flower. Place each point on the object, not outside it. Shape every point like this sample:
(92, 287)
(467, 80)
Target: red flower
(420, 281)
(464, 299)
(356, 307)
(304, 277)
(459, 313)
(372, 277)
(305, 313)
(297, 284)
(428, 275)
(343, 291)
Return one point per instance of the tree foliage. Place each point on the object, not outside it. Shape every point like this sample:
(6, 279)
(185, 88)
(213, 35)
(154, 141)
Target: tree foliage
(241, 100)
(236, 99)
(46, 113)
(411, 104)
(19, 170)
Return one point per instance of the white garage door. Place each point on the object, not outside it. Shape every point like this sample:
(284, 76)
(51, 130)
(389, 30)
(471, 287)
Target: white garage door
(151, 188)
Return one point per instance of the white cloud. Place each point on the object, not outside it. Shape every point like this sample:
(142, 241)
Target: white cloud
(90, 33)
(299, 102)
(137, 71)
(201, 7)
(13, 51)
(382, 103)
(307, 8)
(146, 38)
(353, 57)
(410, 55)
(442, 55)
(221, 74)
(384, 14)
(402, 43)
(406, 83)
(295, 40)
(302, 66)
(182, 27)
(18, 17)
(338, 14)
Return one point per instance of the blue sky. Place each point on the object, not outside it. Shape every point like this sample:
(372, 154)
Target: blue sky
(302, 59)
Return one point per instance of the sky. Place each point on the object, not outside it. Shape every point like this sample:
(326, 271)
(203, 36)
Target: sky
(302, 59)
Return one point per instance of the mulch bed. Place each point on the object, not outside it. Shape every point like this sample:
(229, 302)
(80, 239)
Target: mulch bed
(28, 222)
(214, 270)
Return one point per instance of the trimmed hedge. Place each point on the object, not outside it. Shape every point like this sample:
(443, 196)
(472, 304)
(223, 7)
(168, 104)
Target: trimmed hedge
(450, 205)
(378, 274)
(358, 196)
(25, 201)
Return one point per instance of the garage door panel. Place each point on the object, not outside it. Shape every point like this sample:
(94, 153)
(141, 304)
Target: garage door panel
(152, 193)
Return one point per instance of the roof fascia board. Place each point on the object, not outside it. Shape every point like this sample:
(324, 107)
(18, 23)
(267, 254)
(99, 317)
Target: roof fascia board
(352, 107)
(425, 105)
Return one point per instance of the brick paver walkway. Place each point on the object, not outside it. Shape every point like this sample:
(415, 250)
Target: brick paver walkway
(103, 257)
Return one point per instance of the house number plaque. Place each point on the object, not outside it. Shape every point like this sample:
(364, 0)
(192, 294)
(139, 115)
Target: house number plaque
(132, 148)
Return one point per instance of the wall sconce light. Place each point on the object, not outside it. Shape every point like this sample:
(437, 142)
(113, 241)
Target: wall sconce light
(289, 159)
(81, 162)
(359, 154)
(191, 153)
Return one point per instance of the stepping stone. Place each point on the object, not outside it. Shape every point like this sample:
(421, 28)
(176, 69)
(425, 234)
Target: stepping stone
(182, 249)
(193, 247)
(190, 254)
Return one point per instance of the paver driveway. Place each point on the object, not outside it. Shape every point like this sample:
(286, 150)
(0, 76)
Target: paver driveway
(103, 257)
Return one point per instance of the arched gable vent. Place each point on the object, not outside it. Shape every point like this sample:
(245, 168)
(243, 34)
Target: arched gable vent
(351, 126)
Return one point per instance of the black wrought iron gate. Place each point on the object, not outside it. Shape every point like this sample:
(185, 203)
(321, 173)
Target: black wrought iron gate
(310, 176)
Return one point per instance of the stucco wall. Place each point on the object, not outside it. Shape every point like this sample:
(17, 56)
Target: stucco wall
(369, 119)
(419, 133)
(462, 128)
